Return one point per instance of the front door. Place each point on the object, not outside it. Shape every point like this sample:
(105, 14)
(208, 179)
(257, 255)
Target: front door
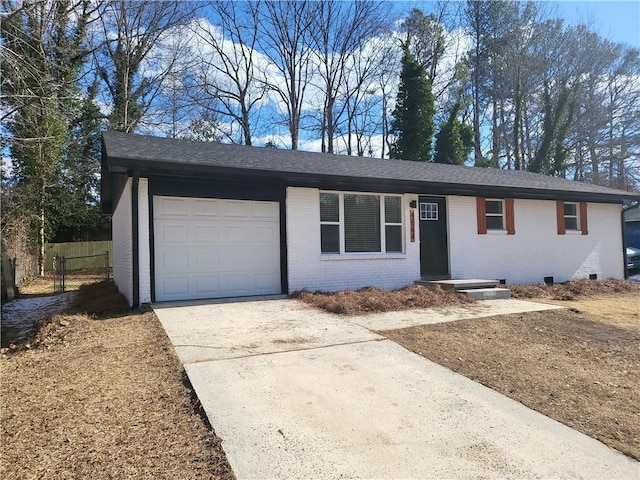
(434, 252)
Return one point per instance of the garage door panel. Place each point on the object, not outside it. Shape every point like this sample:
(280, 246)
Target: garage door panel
(205, 207)
(173, 206)
(205, 261)
(264, 211)
(266, 233)
(173, 232)
(173, 260)
(173, 288)
(262, 259)
(238, 284)
(234, 258)
(236, 233)
(206, 285)
(211, 248)
(205, 233)
(236, 209)
(262, 282)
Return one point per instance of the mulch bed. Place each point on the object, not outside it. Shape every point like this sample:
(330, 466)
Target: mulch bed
(575, 289)
(99, 393)
(373, 300)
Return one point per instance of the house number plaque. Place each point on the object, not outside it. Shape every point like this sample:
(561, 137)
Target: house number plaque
(412, 224)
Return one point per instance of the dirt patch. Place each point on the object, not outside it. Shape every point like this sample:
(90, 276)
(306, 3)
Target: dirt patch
(576, 289)
(102, 394)
(375, 300)
(575, 366)
(44, 285)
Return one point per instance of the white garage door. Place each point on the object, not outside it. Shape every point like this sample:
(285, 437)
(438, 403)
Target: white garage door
(212, 248)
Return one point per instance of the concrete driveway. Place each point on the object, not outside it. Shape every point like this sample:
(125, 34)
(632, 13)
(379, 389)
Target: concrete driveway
(297, 393)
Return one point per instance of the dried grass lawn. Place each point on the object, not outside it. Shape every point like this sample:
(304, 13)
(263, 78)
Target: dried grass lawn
(102, 395)
(74, 280)
(579, 366)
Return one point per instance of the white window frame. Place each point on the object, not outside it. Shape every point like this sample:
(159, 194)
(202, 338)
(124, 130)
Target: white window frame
(502, 215)
(427, 214)
(383, 224)
(576, 216)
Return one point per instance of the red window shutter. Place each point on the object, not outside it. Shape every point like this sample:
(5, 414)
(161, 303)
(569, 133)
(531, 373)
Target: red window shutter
(583, 219)
(481, 209)
(560, 215)
(511, 224)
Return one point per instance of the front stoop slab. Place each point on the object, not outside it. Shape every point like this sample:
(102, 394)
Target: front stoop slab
(463, 284)
(487, 293)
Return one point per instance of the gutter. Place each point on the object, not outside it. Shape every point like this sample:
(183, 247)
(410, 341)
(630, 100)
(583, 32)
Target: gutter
(624, 237)
(135, 234)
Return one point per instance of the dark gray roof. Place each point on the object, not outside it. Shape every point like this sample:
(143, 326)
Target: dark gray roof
(124, 152)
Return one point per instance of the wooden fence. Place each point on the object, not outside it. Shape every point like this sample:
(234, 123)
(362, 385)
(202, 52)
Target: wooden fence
(77, 249)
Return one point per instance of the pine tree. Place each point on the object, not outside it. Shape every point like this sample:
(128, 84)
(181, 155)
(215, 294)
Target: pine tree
(412, 123)
(454, 141)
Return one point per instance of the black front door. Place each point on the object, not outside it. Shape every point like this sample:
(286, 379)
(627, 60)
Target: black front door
(434, 252)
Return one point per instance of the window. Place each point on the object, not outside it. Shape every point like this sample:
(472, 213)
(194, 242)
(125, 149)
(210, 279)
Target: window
(428, 211)
(495, 215)
(572, 217)
(494, 212)
(393, 224)
(360, 223)
(329, 223)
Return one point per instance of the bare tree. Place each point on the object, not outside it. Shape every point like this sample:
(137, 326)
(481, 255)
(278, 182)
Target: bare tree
(285, 40)
(130, 41)
(227, 80)
(339, 31)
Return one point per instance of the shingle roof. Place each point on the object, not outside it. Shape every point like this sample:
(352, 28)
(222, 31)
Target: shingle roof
(126, 151)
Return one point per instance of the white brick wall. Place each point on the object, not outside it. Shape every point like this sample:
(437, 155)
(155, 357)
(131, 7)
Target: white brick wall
(536, 250)
(144, 253)
(310, 270)
(122, 244)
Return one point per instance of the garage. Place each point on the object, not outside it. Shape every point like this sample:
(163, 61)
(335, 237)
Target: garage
(215, 248)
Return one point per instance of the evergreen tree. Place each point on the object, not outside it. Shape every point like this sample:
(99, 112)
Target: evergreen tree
(412, 123)
(44, 53)
(454, 141)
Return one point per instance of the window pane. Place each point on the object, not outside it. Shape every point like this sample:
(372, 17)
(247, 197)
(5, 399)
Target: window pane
(570, 223)
(361, 223)
(329, 206)
(392, 210)
(393, 235)
(329, 238)
(570, 209)
(494, 223)
(494, 206)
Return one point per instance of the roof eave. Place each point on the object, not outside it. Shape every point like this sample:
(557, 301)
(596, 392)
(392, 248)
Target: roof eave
(152, 167)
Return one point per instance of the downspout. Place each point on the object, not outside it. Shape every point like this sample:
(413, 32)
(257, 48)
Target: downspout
(624, 237)
(135, 234)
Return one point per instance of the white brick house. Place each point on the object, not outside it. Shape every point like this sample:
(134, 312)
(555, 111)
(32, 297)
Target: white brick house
(202, 220)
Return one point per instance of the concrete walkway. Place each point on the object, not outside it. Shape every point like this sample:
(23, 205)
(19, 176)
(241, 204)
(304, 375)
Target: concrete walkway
(297, 393)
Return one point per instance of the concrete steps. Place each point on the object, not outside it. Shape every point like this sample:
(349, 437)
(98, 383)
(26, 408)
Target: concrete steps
(476, 288)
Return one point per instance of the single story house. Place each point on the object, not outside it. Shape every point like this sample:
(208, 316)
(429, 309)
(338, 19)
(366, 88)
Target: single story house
(198, 220)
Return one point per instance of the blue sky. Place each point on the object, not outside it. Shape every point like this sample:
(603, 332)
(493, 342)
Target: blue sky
(617, 20)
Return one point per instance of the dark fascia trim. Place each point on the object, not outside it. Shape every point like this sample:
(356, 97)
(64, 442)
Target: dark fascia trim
(334, 182)
(135, 239)
(106, 184)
